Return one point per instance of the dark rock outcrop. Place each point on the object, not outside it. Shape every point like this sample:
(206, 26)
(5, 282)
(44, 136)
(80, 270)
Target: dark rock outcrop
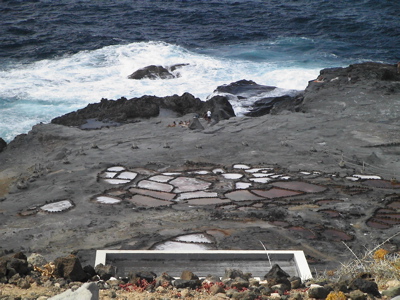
(382, 77)
(69, 267)
(105, 272)
(3, 144)
(277, 276)
(366, 286)
(126, 111)
(219, 107)
(244, 88)
(156, 72)
(273, 105)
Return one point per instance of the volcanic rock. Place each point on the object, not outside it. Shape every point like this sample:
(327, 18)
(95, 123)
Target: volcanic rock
(277, 276)
(69, 267)
(366, 286)
(128, 111)
(164, 280)
(152, 72)
(244, 88)
(37, 259)
(195, 124)
(318, 292)
(275, 105)
(219, 107)
(156, 72)
(188, 275)
(88, 291)
(3, 144)
(105, 272)
(182, 284)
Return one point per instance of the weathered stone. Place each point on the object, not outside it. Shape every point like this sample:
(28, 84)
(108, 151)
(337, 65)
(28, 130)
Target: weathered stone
(88, 291)
(216, 289)
(146, 275)
(220, 108)
(239, 283)
(365, 286)
(246, 295)
(36, 259)
(89, 270)
(195, 124)
(156, 72)
(188, 275)
(219, 296)
(164, 280)
(23, 283)
(392, 292)
(69, 267)
(317, 291)
(234, 273)
(105, 272)
(151, 72)
(15, 265)
(181, 284)
(274, 105)
(295, 282)
(357, 295)
(212, 278)
(277, 276)
(244, 88)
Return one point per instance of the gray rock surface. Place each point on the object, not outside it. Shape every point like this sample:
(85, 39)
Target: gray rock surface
(88, 291)
(351, 120)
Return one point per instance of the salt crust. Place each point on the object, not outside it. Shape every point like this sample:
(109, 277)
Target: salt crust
(58, 206)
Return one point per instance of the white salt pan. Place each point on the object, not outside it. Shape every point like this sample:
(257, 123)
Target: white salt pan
(199, 194)
(161, 178)
(187, 184)
(109, 174)
(107, 200)
(352, 178)
(200, 172)
(116, 181)
(218, 171)
(57, 206)
(261, 180)
(232, 176)
(171, 246)
(127, 175)
(151, 185)
(239, 166)
(116, 169)
(242, 185)
(367, 176)
(193, 238)
(261, 174)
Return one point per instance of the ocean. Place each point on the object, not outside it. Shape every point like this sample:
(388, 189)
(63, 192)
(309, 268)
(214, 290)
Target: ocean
(59, 56)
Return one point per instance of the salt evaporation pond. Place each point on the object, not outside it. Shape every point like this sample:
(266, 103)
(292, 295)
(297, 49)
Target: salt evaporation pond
(58, 206)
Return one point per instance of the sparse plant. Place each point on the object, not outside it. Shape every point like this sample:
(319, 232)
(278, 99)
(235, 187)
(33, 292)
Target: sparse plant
(336, 296)
(378, 262)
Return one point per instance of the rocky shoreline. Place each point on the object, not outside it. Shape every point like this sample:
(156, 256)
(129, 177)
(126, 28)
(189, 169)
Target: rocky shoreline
(311, 172)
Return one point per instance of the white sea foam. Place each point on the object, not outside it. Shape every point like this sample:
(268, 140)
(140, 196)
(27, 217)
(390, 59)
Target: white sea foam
(40, 91)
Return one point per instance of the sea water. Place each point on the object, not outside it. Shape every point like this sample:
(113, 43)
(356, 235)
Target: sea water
(56, 57)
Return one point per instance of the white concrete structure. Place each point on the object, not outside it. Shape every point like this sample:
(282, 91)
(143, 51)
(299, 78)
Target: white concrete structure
(205, 262)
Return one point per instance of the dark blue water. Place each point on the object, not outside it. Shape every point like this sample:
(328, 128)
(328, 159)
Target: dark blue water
(32, 30)
(43, 40)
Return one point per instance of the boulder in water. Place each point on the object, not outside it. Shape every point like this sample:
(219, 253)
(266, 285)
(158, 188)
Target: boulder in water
(156, 72)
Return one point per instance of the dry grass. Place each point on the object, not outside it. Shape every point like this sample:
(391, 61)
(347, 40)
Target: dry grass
(382, 265)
